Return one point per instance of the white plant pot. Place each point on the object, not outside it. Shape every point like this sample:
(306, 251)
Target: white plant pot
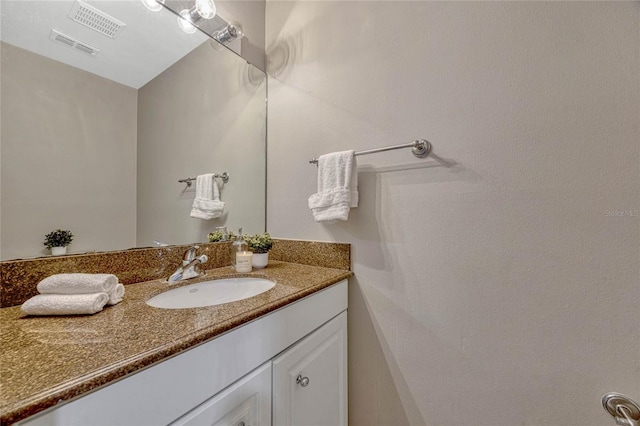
(58, 251)
(259, 260)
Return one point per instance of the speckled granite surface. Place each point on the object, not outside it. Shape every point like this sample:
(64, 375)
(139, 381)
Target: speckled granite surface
(48, 359)
(329, 255)
(18, 278)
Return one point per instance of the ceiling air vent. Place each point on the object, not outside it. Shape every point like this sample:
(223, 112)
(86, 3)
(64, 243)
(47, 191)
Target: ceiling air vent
(96, 19)
(71, 42)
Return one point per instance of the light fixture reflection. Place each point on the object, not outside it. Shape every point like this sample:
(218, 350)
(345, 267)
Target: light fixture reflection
(184, 22)
(152, 5)
(229, 33)
(203, 9)
(206, 8)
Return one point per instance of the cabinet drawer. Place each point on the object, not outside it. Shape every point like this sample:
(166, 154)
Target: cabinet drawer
(247, 402)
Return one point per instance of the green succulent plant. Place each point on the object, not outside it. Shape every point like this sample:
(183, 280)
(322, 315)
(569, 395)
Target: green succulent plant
(221, 235)
(58, 238)
(259, 243)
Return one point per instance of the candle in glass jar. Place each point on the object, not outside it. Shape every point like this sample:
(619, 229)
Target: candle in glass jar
(243, 261)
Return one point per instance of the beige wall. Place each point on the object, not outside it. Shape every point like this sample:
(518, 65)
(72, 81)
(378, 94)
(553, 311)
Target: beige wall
(205, 114)
(491, 285)
(68, 156)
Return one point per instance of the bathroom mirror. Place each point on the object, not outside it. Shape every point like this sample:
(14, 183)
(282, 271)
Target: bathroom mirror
(97, 130)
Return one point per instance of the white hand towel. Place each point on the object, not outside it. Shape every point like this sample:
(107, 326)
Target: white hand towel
(337, 187)
(207, 204)
(116, 295)
(78, 284)
(65, 304)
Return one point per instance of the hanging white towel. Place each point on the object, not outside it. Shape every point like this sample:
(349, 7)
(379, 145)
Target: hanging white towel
(337, 187)
(207, 204)
(78, 284)
(65, 304)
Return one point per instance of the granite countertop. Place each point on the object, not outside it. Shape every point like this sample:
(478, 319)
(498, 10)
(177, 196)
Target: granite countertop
(45, 360)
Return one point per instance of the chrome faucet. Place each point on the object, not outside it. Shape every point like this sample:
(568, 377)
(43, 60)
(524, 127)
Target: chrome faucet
(189, 255)
(190, 265)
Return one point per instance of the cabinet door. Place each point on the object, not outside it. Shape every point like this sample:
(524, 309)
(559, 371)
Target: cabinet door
(310, 379)
(247, 402)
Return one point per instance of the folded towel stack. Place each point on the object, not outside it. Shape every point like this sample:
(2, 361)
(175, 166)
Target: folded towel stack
(65, 304)
(74, 294)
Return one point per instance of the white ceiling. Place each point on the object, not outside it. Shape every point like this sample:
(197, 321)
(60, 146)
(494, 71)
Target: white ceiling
(150, 43)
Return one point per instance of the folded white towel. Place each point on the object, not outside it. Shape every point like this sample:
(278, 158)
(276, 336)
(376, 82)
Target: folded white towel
(207, 204)
(78, 284)
(337, 187)
(116, 295)
(65, 304)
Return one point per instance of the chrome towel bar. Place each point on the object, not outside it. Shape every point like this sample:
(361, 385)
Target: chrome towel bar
(224, 176)
(420, 148)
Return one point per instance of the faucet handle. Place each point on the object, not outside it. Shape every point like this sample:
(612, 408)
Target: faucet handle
(203, 258)
(190, 254)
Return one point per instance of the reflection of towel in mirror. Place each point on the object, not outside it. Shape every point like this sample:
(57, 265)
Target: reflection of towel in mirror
(207, 204)
(337, 187)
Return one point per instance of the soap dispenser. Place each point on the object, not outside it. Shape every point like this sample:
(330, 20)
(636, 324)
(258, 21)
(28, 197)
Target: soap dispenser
(238, 246)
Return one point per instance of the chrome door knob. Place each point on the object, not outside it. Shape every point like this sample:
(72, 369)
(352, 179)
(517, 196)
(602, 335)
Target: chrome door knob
(302, 381)
(624, 410)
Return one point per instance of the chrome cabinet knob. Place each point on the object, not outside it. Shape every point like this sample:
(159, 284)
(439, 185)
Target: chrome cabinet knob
(302, 381)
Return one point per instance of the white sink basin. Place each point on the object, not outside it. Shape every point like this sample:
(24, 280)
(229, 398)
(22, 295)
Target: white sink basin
(209, 293)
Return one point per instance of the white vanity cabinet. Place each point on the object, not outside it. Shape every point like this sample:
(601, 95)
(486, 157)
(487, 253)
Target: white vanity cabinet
(247, 375)
(309, 387)
(310, 379)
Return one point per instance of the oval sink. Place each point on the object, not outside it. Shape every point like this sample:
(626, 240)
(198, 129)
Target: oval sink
(209, 293)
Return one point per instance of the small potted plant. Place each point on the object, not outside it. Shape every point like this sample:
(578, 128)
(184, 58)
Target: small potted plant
(58, 241)
(259, 244)
(221, 234)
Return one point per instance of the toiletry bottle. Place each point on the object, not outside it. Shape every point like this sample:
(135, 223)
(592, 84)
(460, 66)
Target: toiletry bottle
(239, 245)
(225, 234)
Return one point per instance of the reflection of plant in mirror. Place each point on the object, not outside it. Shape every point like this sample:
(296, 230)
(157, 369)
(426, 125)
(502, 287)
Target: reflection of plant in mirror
(58, 238)
(259, 243)
(221, 235)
